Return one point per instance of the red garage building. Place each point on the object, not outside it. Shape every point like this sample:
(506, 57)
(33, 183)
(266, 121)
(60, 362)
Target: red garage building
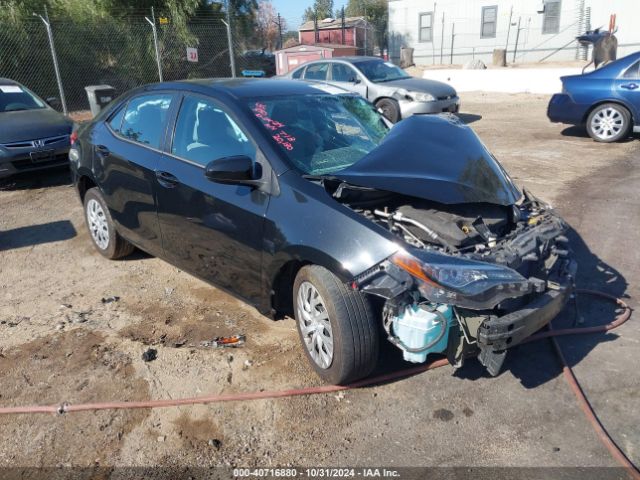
(357, 32)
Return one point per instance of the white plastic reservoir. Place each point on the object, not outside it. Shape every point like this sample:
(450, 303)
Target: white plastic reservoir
(418, 327)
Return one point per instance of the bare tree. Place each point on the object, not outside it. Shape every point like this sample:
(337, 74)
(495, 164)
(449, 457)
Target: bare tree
(269, 25)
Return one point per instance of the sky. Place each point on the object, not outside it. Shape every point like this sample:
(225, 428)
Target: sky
(292, 10)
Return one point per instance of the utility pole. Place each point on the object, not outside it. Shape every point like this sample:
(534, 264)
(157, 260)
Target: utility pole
(453, 35)
(279, 23)
(315, 27)
(56, 68)
(515, 50)
(442, 39)
(506, 47)
(342, 17)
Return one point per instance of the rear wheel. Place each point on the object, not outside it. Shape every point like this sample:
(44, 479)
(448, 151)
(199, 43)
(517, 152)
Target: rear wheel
(608, 123)
(102, 230)
(336, 326)
(390, 109)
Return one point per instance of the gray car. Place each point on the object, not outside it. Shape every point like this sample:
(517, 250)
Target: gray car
(384, 84)
(33, 136)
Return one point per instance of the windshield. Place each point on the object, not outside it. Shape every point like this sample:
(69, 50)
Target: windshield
(321, 134)
(15, 97)
(379, 71)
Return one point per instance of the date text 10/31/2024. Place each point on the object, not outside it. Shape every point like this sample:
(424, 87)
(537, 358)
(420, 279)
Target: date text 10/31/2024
(320, 472)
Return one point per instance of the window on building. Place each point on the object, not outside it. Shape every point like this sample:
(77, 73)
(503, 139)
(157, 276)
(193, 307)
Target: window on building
(551, 19)
(425, 33)
(489, 21)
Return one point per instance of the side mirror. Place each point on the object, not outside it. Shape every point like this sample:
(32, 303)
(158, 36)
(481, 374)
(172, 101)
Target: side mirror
(235, 170)
(355, 80)
(53, 102)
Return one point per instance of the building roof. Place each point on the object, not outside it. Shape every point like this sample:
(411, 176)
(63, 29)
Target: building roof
(333, 23)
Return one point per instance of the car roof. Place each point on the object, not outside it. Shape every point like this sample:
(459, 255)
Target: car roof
(8, 81)
(247, 87)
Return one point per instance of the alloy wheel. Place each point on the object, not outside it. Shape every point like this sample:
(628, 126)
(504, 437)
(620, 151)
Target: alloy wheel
(607, 123)
(315, 326)
(97, 221)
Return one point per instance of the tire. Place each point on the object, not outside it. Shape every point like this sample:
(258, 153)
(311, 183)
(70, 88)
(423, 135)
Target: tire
(609, 123)
(349, 325)
(390, 109)
(102, 230)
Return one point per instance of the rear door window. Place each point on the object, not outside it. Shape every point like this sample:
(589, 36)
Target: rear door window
(317, 71)
(145, 119)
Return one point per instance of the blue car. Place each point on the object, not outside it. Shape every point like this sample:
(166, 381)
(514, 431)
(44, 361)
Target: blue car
(606, 101)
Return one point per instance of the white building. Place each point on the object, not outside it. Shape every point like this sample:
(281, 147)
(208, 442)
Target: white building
(543, 29)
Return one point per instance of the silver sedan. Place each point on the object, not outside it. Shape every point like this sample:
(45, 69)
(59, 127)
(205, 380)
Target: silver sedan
(384, 84)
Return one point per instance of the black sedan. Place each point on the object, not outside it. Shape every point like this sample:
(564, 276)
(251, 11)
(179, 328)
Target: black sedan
(300, 199)
(33, 136)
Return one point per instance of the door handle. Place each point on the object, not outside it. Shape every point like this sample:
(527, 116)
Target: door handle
(629, 86)
(166, 179)
(102, 151)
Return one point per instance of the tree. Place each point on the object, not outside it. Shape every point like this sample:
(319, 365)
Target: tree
(324, 9)
(376, 12)
(267, 28)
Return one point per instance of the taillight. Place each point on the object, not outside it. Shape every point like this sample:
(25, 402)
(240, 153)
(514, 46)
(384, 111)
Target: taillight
(73, 138)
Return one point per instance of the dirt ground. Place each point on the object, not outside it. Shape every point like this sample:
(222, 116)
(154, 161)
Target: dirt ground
(64, 337)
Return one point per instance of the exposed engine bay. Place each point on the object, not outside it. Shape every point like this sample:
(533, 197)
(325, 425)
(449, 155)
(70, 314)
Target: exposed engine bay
(472, 279)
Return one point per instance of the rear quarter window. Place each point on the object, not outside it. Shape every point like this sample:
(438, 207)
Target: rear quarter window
(633, 71)
(115, 122)
(298, 73)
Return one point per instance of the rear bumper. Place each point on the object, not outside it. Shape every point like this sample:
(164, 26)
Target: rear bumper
(562, 109)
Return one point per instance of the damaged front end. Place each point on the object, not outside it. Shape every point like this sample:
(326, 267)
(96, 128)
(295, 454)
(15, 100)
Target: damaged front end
(481, 266)
(486, 292)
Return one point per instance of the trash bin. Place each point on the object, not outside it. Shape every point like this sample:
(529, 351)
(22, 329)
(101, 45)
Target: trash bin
(99, 97)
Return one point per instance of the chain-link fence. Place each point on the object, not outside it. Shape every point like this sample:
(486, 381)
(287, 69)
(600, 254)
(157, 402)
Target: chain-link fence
(124, 54)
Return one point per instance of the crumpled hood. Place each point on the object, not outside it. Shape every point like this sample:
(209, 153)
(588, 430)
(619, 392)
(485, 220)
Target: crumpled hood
(32, 124)
(436, 158)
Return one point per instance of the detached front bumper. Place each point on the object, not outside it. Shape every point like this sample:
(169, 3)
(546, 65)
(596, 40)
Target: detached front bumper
(450, 105)
(496, 334)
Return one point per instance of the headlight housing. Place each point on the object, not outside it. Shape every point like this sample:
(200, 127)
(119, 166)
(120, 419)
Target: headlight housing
(461, 282)
(422, 97)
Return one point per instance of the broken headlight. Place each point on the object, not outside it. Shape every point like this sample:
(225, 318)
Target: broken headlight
(461, 282)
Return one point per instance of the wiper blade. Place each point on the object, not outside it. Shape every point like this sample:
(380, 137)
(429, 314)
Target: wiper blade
(392, 79)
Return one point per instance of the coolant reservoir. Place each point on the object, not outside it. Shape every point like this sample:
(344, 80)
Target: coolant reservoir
(417, 328)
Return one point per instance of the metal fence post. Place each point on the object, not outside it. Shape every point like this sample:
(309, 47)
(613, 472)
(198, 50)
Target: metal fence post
(47, 24)
(232, 57)
(155, 41)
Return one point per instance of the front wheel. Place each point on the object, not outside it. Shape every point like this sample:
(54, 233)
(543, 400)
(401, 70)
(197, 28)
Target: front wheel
(336, 326)
(608, 123)
(390, 109)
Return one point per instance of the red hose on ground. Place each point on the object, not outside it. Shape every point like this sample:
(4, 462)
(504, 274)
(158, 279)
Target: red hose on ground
(606, 439)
